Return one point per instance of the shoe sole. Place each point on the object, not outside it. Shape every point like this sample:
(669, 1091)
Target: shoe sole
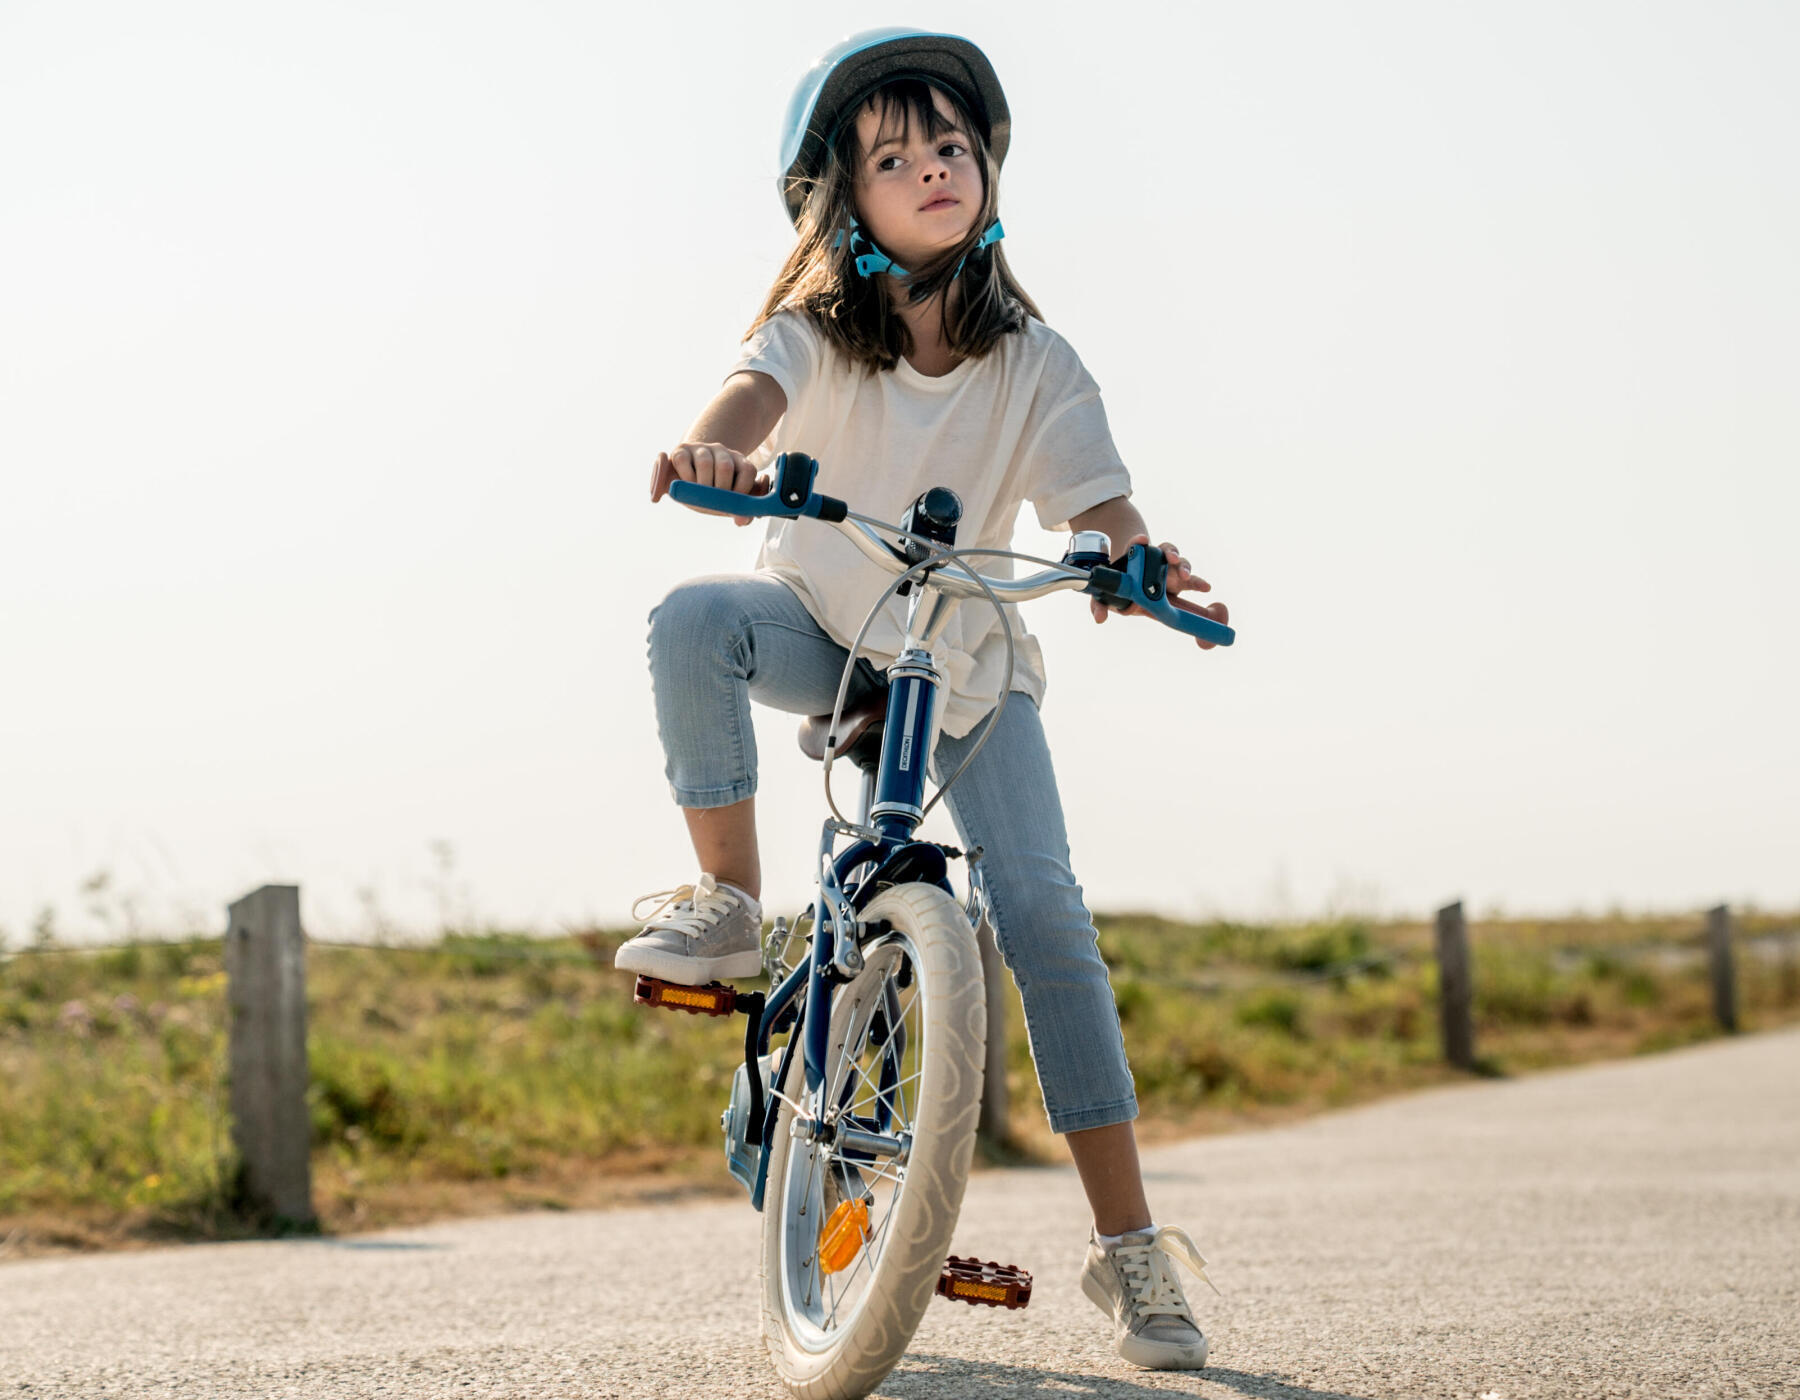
(1152, 1356)
(688, 972)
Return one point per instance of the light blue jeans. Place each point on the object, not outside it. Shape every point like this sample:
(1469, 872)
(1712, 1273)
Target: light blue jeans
(717, 642)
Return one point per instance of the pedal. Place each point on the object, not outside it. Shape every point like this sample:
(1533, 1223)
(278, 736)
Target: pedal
(985, 1282)
(714, 999)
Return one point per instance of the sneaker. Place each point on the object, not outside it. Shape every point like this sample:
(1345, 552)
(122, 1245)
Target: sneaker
(1134, 1283)
(699, 933)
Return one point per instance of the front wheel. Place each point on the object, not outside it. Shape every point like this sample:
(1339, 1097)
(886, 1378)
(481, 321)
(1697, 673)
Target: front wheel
(904, 1065)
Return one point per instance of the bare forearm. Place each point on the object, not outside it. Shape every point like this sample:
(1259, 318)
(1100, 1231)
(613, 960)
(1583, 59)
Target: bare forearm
(742, 413)
(1123, 526)
(739, 418)
(1117, 519)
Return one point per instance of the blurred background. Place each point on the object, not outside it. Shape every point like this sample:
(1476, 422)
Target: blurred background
(1455, 343)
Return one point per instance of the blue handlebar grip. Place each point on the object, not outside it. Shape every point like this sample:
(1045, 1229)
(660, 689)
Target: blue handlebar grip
(689, 493)
(819, 507)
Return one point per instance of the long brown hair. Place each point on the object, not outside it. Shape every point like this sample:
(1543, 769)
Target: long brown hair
(852, 311)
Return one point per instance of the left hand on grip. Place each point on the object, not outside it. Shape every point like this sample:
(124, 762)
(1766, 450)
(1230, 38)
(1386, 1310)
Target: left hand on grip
(707, 464)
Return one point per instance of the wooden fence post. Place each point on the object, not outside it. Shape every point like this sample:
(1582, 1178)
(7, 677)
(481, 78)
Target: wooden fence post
(992, 1124)
(1718, 954)
(265, 969)
(1455, 986)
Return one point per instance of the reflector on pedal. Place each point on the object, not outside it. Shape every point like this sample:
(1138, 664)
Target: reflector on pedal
(977, 1281)
(714, 999)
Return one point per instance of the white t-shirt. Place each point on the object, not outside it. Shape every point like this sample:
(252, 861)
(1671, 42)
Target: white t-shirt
(1023, 423)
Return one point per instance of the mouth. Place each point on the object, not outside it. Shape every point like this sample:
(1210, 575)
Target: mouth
(944, 203)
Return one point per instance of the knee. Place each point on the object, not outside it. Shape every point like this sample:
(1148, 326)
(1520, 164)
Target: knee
(696, 618)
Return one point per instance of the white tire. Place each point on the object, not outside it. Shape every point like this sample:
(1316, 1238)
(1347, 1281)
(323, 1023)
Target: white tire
(838, 1342)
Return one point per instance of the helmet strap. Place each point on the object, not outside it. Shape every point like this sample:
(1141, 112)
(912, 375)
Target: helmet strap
(870, 260)
(994, 234)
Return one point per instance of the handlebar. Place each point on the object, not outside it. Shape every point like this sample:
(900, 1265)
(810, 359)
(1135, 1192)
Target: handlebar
(1139, 578)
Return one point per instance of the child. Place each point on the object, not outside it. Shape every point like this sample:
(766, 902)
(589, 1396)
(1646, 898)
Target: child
(897, 349)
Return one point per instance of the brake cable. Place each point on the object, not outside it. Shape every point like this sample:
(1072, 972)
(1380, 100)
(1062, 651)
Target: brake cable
(938, 556)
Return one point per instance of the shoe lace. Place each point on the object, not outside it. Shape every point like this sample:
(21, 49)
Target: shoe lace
(695, 907)
(1149, 1271)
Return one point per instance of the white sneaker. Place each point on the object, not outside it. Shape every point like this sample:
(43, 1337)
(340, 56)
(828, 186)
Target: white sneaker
(708, 931)
(1134, 1283)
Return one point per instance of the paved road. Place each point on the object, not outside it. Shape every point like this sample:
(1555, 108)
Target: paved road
(1631, 1229)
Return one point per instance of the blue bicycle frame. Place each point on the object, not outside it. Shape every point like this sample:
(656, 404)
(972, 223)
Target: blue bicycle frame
(885, 852)
(893, 802)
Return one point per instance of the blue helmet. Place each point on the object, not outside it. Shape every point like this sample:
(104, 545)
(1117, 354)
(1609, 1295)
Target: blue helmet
(853, 68)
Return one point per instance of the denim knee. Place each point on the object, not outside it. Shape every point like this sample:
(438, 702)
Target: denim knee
(699, 617)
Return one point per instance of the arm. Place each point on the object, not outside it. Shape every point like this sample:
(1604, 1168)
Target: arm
(1124, 526)
(714, 452)
(1117, 519)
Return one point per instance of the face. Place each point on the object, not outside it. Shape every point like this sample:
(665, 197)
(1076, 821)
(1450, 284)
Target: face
(916, 195)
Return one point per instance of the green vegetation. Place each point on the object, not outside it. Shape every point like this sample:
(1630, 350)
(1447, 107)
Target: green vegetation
(498, 1071)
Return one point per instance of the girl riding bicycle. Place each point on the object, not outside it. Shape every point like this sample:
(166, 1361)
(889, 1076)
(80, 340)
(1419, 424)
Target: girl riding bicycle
(897, 348)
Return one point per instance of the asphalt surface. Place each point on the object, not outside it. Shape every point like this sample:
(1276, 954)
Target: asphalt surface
(1630, 1229)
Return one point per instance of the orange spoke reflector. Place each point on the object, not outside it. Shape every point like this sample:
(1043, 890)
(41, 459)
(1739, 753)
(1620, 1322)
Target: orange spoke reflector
(714, 999)
(979, 1281)
(844, 1234)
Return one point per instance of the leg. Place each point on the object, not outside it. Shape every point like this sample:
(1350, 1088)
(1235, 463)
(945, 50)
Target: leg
(725, 841)
(715, 643)
(1008, 803)
(1106, 1160)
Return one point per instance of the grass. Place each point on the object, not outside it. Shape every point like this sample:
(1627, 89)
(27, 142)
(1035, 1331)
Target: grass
(502, 1072)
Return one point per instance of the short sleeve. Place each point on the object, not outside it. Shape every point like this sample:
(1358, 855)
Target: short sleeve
(786, 348)
(1072, 464)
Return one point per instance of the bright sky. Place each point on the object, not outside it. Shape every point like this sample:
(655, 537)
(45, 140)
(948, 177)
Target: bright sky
(1457, 343)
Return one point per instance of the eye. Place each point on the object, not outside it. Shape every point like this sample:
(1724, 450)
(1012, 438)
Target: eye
(949, 150)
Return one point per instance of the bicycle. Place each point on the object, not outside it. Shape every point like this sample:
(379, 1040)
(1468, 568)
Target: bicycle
(854, 1138)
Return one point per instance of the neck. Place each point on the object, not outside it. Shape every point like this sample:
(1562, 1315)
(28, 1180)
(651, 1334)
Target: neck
(925, 320)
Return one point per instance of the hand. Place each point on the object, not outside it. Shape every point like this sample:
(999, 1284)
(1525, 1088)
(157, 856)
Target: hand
(707, 464)
(1180, 577)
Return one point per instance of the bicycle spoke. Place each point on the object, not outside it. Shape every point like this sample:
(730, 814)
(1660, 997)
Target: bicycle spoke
(897, 1178)
(844, 1056)
(872, 1250)
(895, 1095)
(890, 1175)
(873, 1082)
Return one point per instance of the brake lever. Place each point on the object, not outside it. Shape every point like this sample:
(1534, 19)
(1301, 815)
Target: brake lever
(1141, 578)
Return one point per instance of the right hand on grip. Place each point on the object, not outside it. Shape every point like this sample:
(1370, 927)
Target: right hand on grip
(707, 464)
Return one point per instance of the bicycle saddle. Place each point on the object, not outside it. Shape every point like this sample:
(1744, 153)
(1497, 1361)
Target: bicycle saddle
(859, 736)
